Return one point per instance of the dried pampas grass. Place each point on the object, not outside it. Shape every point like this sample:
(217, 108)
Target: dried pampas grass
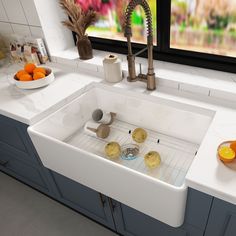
(79, 20)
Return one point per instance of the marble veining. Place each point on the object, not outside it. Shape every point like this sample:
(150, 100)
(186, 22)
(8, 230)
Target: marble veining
(28, 106)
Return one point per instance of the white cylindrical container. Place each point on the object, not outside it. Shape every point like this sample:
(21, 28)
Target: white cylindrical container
(112, 69)
(101, 116)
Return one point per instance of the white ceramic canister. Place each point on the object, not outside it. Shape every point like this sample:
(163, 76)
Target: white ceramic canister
(103, 117)
(112, 68)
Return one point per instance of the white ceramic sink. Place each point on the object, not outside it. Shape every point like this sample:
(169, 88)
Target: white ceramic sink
(161, 193)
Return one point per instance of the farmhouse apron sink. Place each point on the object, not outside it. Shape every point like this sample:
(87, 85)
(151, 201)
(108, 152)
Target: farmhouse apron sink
(174, 129)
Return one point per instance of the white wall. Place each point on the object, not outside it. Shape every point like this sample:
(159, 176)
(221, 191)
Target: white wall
(57, 36)
(20, 17)
(40, 18)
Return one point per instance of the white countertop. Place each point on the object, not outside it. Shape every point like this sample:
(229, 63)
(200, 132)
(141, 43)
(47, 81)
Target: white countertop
(206, 174)
(29, 106)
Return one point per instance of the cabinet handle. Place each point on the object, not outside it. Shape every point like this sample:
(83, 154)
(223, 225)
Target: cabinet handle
(112, 205)
(102, 200)
(3, 163)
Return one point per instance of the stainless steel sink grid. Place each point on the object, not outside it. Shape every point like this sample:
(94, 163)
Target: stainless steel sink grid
(176, 155)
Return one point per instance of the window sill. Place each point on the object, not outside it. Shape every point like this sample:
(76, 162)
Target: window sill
(187, 79)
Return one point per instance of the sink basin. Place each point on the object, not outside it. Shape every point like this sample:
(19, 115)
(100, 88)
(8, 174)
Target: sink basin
(174, 129)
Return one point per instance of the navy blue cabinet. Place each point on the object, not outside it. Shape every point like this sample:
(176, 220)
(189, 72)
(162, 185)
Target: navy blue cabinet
(222, 220)
(127, 221)
(19, 158)
(83, 199)
(205, 215)
(131, 222)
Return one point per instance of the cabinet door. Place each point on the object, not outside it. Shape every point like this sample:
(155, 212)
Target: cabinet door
(83, 199)
(14, 137)
(197, 209)
(19, 158)
(222, 220)
(130, 222)
(22, 171)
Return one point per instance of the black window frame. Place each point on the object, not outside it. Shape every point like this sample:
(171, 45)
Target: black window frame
(163, 51)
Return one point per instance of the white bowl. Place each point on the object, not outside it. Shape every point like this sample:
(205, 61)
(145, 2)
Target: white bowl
(36, 83)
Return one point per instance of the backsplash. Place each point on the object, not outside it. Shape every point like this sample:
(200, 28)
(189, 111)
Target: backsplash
(19, 17)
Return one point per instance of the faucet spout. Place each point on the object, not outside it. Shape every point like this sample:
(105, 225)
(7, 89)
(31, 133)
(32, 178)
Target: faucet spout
(149, 78)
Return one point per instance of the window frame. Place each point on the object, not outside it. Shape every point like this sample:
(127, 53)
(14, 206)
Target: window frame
(163, 51)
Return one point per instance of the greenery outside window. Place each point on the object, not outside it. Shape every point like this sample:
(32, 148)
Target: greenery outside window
(193, 32)
(204, 26)
(111, 19)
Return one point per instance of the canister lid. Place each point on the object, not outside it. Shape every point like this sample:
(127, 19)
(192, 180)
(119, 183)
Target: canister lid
(111, 58)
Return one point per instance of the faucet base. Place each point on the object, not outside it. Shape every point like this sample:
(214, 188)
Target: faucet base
(129, 79)
(151, 82)
(149, 79)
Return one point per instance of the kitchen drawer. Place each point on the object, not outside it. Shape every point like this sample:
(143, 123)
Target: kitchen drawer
(22, 171)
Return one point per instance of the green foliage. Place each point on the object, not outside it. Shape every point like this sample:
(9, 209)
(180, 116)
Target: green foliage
(182, 27)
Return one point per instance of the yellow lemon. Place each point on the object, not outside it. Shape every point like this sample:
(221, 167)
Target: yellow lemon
(113, 150)
(152, 159)
(139, 135)
(226, 154)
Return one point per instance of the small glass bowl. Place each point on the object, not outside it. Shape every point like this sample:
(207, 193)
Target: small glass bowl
(129, 151)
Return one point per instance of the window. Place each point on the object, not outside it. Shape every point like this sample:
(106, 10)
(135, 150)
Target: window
(193, 32)
(204, 26)
(111, 12)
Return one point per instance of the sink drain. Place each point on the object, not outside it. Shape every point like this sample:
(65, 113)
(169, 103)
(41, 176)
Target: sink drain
(129, 151)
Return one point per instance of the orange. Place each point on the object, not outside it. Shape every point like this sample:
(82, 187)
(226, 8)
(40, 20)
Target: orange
(20, 73)
(40, 69)
(226, 154)
(29, 67)
(233, 145)
(26, 77)
(38, 75)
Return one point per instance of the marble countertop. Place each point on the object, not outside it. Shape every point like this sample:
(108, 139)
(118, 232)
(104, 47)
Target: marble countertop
(29, 106)
(206, 174)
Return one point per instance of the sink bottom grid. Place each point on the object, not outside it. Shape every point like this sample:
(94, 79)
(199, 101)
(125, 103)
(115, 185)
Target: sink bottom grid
(176, 154)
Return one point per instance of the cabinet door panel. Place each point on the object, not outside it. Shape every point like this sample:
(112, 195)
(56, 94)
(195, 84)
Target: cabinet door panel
(131, 222)
(84, 199)
(10, 135)
(19, 158)
(197, 208)
(22, 171)
(14, 137)
(222, 220)
(231, 226)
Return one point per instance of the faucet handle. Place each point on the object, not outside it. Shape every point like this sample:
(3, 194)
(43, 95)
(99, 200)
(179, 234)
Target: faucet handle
(141, 51)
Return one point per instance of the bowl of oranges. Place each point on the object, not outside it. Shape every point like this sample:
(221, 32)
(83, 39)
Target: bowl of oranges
(32, 77)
